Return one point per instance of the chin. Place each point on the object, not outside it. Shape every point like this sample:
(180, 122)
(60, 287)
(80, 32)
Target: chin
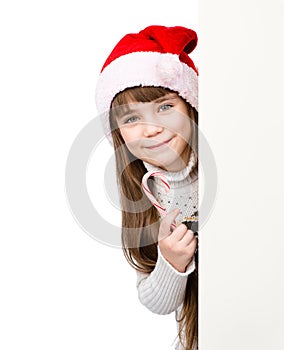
(168, 164)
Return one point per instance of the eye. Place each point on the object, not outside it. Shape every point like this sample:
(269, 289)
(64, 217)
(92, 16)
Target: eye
(131, 120)
(165, 107)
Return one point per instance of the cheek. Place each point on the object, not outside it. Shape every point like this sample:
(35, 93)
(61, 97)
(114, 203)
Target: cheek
(182, 127)
(131, 137)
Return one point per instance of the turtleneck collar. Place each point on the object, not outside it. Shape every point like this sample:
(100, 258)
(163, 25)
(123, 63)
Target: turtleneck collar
(175, 176)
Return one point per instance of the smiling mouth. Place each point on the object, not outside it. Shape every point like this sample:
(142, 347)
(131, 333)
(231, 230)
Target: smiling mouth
(159, 144)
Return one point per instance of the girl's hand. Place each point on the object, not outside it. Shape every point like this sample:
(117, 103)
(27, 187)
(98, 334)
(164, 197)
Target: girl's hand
(177, 247)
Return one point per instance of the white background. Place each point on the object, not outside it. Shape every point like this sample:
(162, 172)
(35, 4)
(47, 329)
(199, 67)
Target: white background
(60, 289)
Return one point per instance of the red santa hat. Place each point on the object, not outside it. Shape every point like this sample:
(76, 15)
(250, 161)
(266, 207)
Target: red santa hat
(156, 56)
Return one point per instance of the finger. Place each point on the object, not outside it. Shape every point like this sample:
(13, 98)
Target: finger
(188, 238)
(192, 247)
(179, 232)
(166, 222)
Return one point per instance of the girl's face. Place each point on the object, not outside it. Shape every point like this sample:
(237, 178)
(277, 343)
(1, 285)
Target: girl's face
(158, 132)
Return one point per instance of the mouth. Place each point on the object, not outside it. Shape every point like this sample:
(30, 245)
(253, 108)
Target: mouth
(159, 145)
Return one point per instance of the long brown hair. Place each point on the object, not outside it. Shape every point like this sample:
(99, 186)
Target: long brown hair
(140, 225)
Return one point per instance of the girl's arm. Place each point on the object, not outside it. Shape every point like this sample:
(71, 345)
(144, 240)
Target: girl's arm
(162, 291)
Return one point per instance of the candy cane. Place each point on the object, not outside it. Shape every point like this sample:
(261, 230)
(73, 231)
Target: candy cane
(149, 194)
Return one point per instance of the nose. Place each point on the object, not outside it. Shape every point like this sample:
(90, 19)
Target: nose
(152, 129)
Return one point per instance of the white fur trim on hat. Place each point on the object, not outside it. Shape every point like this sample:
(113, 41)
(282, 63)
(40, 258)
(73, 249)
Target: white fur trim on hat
(145, 69)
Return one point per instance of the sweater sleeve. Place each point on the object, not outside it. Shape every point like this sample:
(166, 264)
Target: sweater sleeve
(162, 291)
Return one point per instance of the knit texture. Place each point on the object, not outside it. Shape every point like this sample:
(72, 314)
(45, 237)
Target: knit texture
(162, 291)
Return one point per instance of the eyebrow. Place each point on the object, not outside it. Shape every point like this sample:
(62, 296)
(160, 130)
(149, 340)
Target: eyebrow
(158, 100)
(165, 98)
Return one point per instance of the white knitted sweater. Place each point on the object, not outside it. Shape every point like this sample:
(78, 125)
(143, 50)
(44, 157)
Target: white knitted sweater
(162, 291)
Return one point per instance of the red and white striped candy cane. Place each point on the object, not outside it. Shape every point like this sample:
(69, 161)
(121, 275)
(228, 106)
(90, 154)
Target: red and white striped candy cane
(149, 194)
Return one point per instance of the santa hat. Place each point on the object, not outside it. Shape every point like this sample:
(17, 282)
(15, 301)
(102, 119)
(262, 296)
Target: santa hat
(156, 56)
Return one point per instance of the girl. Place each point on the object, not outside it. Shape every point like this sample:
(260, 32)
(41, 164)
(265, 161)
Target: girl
(147, 97)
